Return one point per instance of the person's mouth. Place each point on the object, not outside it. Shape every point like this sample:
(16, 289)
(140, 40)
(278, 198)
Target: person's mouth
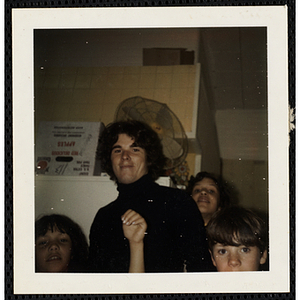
(53, 258)
(203, 199)
(126, 166)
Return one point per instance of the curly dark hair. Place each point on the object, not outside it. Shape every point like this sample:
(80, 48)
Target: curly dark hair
(66, 225)
(237, 226)
(224, 195)
(144, 137)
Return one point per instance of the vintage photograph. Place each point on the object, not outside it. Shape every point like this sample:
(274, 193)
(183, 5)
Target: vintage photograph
(152, 153)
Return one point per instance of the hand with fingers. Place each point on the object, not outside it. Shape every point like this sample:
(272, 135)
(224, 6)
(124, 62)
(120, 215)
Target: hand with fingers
(134, 228)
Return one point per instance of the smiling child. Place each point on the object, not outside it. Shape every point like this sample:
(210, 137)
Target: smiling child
(208, 193)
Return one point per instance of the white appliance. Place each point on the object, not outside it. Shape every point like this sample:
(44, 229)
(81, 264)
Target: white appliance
(78, 197)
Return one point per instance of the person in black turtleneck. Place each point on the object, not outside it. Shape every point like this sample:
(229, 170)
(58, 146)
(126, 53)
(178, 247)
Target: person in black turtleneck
(131, 154)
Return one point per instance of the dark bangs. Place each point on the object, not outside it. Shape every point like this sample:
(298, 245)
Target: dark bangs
(49, 223)
(237, 226)
(232, 236)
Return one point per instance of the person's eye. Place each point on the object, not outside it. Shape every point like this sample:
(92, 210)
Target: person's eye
(136, 150)
(222, 251)
(196, 191)
(64, 240)
(245, 249)
(116, 151)
(42, 243)
(211, 191)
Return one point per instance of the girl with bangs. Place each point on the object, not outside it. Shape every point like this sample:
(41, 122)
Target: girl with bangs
(60, 245)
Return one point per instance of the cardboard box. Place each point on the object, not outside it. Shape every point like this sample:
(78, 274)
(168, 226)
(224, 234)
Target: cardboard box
(167, 56)
(67, 148)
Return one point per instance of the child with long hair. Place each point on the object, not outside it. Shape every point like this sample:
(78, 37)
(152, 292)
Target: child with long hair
(209, 194)
(60, 245)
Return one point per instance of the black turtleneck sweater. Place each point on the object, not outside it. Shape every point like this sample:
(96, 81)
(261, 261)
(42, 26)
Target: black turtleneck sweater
(175, 233)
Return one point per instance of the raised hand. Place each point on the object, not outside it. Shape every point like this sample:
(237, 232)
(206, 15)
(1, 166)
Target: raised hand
(134, 226)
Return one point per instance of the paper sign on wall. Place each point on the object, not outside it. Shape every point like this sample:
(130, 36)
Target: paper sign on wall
(67, 148)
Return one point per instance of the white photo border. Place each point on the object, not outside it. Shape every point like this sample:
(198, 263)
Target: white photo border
(24, 21)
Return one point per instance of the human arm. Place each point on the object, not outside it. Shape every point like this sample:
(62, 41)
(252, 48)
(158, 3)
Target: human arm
(134, 228)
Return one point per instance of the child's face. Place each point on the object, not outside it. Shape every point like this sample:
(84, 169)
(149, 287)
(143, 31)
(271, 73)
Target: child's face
(237, 258)
(206, 195)
(53, 251)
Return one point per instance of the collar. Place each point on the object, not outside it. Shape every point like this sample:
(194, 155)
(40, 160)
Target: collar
(137, 187)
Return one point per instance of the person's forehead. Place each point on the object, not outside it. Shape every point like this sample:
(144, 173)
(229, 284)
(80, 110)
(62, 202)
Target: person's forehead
(206, 181)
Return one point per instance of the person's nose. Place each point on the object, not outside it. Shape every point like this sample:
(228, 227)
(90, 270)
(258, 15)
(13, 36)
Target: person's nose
(53, 246)
(203, 192)
(234, 260)
(125, 155)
